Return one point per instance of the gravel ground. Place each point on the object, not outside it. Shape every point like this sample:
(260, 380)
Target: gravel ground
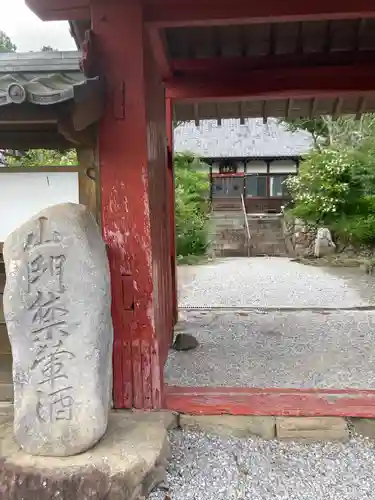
(271, 281)
(272, 349)
(206, 467)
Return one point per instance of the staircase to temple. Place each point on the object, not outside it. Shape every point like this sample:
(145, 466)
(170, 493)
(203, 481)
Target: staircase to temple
(6, 385)
(267, 235)
(228, 235)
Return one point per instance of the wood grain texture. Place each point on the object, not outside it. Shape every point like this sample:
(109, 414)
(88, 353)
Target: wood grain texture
(269, 401)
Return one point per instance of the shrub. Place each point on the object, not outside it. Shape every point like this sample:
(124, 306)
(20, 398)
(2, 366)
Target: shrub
(192, 207)
(336, 187)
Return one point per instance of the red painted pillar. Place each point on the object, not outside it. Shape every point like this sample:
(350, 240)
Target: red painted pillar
(132, 149)
(171, 184)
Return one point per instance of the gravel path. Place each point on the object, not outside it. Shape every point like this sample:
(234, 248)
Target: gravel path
(206, 467)
(264, 282)
(272, 349)
(300, 349)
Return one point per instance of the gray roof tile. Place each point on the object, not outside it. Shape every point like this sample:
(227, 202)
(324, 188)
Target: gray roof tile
(253, 138)
(43, 78)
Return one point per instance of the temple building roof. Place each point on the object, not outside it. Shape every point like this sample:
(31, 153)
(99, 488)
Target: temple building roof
(253, 138)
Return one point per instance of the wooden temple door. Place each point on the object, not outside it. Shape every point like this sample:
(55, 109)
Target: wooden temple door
(135, 202)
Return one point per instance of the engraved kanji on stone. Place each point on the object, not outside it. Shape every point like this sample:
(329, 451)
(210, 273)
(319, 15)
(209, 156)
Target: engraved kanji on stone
(52, 364)
(48, 317)
(37, 266)
(59, 405)
(39, 237)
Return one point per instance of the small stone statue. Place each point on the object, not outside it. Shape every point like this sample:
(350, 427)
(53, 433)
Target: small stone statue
(324, 244)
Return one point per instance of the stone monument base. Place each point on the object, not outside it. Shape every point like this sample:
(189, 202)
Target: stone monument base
(126, 464)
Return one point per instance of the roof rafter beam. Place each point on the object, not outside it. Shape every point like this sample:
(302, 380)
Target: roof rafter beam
(159, 49)
(221, 65)
(164, 13)
(271, 84)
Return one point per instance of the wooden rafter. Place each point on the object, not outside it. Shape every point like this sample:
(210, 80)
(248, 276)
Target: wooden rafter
(160, 51)
(235, 65)
(204, 12)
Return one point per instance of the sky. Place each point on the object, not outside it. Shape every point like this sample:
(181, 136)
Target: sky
(28, 32)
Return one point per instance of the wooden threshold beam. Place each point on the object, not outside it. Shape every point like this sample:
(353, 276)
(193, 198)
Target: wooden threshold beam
(274, 401)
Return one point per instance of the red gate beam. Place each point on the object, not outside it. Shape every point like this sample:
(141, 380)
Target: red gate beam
(270, 84)
(168, 13)
(224, 65)
(159, 49)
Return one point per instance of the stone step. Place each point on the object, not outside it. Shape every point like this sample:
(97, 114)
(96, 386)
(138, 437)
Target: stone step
(304, 429)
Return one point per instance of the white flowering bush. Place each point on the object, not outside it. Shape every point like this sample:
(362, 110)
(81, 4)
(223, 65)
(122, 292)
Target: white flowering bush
(323, 185)
(336, 187)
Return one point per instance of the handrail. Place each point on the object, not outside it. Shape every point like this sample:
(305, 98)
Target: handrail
(246, 225)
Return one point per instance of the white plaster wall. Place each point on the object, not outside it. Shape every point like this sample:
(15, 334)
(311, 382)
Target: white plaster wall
(23, 195)
(283, 167)
(256, 167)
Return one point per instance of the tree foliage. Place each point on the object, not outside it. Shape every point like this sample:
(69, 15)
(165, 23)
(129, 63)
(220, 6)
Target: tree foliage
(44, 157)
(6, 44)
(48, 48)
(335, 186)
(191, 191)
(344, 131)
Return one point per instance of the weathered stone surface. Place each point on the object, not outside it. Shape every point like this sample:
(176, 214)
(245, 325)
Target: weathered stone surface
(231, 425)
(364, 426)
(126, 464)
(57, 309)
(185, 342)
(168, 419)
(312, 428)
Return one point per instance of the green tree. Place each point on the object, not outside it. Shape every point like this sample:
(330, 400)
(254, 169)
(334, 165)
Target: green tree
(48, 48)
(345, 130)
(44, 157)
(6, 44)
(336, 188)
(317, 127)
(192, 188)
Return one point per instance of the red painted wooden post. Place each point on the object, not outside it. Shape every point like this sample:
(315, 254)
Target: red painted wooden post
(132, 148)
(171, 184)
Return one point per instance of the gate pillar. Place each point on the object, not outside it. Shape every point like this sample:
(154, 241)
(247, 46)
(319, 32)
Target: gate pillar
(134, 193)
(171, 184)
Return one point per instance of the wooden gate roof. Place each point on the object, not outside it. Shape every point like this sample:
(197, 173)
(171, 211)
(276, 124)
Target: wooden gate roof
(241, 59)
(45, 100)
(287, 68)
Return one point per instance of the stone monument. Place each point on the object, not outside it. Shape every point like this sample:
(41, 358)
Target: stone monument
(57, 306)
(324, 244)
